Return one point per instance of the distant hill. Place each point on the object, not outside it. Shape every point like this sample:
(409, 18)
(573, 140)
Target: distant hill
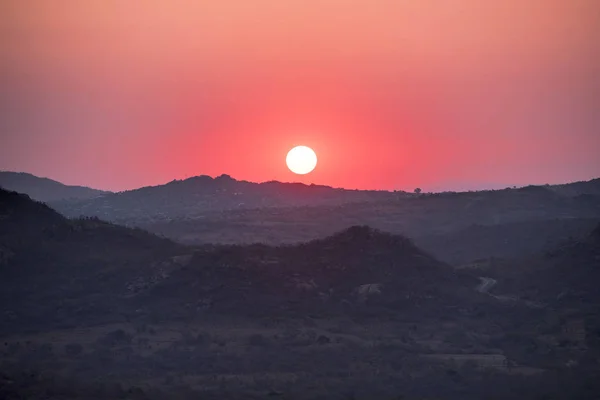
(591, 187)
(455, 227)
(196, 196)
(44, 189)
(225, 210)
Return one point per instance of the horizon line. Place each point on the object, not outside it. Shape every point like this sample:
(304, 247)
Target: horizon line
(482, 187)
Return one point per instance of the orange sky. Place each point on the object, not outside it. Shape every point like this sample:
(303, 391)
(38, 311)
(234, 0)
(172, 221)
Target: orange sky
(391, 94)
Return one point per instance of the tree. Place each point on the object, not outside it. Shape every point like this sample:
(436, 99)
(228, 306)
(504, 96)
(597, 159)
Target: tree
(418, 190)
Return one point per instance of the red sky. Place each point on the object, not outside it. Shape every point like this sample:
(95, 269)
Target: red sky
(391, 94)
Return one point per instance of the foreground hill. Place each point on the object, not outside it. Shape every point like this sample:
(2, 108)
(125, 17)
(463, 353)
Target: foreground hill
(44, 189)
(52, 266)
(341, 273)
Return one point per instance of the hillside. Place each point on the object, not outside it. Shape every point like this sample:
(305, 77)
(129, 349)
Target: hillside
(194, 197)
(357, 266)
(510, 240)
(44, 189)
(203, 196)
(92, 310)
(51, 264)
(455, 227)
(47, 258)
(591, 187)
(565, 275)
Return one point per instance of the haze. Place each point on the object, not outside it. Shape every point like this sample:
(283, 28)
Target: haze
(390, 94)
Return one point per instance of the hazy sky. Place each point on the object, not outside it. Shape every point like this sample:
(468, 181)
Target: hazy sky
(391, 94)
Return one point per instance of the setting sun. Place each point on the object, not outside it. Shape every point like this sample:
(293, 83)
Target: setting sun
(301, 160)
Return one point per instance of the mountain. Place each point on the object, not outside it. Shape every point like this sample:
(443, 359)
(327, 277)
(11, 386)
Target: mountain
(44, 189)
(194, 197)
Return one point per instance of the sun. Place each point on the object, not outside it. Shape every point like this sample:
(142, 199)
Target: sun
(301, 160)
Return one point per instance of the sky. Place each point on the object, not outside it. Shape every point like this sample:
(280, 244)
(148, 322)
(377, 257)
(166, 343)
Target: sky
(391, 94)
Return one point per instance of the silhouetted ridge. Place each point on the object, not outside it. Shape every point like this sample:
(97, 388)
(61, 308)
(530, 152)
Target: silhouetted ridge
(31, 231)
(44, 189)
(364, 234)
(19, 213)
(196, 196)
(358, 243)
(353, 267)
(567, 274)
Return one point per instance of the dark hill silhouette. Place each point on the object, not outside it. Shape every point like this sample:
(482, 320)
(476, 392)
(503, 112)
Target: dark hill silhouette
(456, 227)
(509, 240)
(355, 267)
(196, 196)
(200, 196)
(44, 189)
(568, 274)
(591, 187)
(46, 259)
(25, 222)
(20, 215)
(574, 268)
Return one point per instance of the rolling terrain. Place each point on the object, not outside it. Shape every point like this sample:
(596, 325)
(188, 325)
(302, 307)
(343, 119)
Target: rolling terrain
(457, 228)
(94, 310)
(194, 197)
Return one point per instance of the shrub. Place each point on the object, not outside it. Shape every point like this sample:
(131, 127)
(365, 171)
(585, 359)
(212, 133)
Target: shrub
(257, 340)
(115, 338)
(202, 339)
(141, 327)
(322, 339)
(73, 349)
(44, 350)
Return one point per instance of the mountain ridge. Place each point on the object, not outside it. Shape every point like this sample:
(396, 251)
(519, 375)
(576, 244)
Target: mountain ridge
(197, 195)
(45, 189)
